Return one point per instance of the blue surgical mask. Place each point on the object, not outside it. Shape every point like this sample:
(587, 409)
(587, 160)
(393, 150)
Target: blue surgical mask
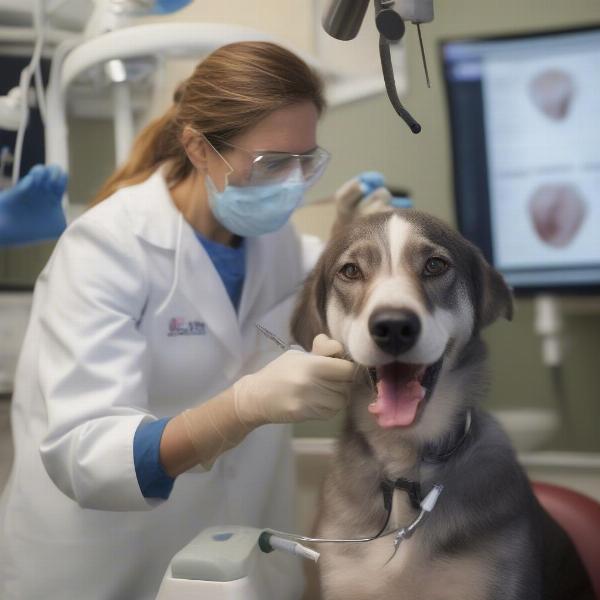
(255, 210)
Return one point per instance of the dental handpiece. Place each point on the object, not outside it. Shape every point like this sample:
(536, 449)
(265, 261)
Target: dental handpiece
(268, 542)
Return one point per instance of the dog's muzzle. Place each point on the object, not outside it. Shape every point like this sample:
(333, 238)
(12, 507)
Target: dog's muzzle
(394, 330)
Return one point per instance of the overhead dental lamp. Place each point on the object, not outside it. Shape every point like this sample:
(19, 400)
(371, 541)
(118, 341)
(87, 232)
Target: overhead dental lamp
(343, 18)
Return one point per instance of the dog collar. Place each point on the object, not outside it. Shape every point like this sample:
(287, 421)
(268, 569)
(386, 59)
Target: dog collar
(439, 453)
(431, 455)
(412, 488)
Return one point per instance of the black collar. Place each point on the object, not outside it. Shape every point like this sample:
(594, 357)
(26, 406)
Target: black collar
(412, 488)
(432, 454)
(442, 451)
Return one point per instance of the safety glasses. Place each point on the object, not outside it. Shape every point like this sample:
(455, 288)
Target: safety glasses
(275, 167)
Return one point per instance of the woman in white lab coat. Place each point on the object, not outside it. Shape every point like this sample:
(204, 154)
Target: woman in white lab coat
(146, 404)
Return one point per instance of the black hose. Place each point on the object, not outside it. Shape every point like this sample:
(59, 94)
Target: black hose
(390, 85)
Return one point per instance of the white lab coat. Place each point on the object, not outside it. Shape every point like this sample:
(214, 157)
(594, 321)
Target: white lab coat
(131, 322)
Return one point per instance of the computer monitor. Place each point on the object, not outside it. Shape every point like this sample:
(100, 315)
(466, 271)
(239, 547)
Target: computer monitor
(525, 125)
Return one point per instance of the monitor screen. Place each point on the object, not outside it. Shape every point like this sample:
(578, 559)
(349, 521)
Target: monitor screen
(525, 124)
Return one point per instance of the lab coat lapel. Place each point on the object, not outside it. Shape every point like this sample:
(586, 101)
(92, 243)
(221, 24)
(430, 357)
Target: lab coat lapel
(256, 268)
(202, 285)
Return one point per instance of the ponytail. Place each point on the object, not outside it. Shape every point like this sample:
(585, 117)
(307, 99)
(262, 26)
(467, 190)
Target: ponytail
(157, 143)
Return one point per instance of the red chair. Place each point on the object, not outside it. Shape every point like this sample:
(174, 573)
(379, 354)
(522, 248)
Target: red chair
(579, 516)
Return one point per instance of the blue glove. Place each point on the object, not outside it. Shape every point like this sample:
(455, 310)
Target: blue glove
(370, 181)
(401, 202)
(31, 211)
(164, 7)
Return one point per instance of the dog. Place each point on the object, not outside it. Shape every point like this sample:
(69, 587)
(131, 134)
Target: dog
(407, 297)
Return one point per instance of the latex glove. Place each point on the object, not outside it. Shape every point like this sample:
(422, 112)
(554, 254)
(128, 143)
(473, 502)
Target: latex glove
(294, 387)
(297, 386)
(31, 211)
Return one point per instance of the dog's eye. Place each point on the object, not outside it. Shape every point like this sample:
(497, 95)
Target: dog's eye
(350, 271)
(435, 266)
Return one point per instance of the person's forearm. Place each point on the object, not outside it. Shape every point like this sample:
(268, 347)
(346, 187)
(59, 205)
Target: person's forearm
(199, 435)
(296, 386)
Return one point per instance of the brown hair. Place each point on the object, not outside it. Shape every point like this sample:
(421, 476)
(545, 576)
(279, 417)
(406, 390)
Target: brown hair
(228, 93)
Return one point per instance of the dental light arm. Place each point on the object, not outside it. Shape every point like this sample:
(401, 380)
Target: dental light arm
(343, 19)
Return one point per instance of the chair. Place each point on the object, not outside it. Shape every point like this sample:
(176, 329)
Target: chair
(579, 516)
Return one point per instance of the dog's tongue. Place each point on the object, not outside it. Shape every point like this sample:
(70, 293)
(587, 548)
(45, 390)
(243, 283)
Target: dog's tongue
(398, 395)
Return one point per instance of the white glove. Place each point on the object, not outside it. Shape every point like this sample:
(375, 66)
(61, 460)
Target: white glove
(297, 386)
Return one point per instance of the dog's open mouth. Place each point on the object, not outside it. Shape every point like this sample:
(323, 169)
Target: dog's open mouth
(401, 389)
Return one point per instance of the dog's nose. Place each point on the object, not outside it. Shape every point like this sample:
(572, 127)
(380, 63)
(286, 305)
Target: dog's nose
(394, 331)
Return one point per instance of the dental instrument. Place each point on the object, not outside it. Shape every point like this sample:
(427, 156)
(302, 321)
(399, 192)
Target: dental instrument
(400, 534)
(277, 340)
(427, 506)
(268, 542)
(272, 337)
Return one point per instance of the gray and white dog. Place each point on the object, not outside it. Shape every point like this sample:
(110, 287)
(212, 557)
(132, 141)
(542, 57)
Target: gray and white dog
(407, 297)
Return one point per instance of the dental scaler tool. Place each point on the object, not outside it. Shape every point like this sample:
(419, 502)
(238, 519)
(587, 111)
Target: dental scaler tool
(277, 340)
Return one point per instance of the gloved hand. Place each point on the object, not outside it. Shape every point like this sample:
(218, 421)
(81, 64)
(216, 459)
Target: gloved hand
(297, 386)
(372, 186)
(31, 211)
(370, 181)
(361, 195)
(294, 387)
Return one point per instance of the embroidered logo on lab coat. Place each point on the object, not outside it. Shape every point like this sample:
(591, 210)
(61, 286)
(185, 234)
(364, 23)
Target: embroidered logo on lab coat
(181, 326)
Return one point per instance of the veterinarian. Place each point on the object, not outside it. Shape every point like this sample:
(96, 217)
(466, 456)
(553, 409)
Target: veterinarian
(146, 402)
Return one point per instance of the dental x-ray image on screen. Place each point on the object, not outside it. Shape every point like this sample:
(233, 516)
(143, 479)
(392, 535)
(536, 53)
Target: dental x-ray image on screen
(525, 120)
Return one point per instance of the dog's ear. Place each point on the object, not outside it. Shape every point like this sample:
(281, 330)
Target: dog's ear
(493, 296)
(309, 319)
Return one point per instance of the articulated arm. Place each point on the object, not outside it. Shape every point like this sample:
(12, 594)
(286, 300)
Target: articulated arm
(343, 18)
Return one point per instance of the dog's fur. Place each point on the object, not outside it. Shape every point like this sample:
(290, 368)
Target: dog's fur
(488, 538)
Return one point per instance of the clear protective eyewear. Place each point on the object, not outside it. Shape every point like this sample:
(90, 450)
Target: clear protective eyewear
(274, 167)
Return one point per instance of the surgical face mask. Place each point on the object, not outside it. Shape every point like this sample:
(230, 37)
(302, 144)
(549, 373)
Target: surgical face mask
(257, 209)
